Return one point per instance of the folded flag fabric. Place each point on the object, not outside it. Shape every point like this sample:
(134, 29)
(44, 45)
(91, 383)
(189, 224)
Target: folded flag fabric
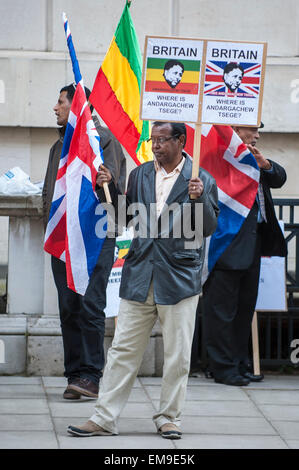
(228, 160)
(116, 91)
(71, 231)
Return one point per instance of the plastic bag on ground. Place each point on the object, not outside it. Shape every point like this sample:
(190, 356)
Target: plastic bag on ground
(16, 181)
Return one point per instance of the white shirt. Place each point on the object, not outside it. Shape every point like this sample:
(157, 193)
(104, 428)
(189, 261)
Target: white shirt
(164, 183)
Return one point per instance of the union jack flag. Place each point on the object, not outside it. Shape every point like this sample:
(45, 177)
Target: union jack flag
(228, 160)
(215, 86)
(71, 230)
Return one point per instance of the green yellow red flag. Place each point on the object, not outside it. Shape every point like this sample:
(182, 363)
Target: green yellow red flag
(116, 91)
(155, 81)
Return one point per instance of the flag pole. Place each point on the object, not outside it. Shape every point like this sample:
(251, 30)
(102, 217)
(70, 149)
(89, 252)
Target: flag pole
(78, 76)
(107, 193)
(105, 185)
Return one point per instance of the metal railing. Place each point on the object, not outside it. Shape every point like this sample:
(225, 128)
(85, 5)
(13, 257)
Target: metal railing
(278, 329)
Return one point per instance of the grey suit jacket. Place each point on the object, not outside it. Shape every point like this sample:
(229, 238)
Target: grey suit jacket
(175, 269)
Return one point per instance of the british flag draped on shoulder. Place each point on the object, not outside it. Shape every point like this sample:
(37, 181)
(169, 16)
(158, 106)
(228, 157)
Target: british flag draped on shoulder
(71, 230)
(228, 160)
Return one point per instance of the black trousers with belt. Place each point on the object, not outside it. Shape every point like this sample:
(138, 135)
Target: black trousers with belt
(83, 319)
(229, 299)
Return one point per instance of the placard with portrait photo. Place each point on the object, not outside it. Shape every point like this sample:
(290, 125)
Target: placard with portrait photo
(171, 79)
(233, 84)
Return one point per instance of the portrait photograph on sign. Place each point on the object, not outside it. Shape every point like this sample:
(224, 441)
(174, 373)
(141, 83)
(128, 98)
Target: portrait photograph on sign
(233, 83)
(171, 79)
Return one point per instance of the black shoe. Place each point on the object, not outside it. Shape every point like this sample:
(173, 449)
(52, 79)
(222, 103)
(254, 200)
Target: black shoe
(70, 394)
(208, 374)
(85, 387)
(253, 377)
(237, 380)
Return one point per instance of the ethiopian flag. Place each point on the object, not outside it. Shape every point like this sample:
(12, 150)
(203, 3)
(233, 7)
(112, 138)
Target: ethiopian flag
(116, 91)
(155, 81)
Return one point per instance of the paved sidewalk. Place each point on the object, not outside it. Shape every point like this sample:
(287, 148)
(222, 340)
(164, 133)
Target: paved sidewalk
(33, 415)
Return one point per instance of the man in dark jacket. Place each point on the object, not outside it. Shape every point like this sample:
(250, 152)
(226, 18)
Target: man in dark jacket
(82, 317)
(161, 279)
(230, 292)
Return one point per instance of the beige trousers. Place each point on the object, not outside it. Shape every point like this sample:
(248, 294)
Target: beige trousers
(133, 330)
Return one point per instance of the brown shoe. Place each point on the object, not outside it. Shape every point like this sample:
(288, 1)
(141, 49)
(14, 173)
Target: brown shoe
(70, 394)
(85, 387)
(170, 431)
(88, 429)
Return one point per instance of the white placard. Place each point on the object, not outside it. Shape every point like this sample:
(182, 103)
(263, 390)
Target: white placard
(233, 84)
(171, 79)
(272, 285)
(272, 293)
(112, 292)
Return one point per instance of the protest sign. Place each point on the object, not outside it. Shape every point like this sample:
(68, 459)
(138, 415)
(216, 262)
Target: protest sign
(203, 82)
(171, 79)
(272, 285)
(271, 297)
(233, 83)
(122, 246)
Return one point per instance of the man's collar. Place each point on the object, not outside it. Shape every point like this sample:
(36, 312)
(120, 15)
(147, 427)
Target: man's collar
(177, 168)
(61, 132)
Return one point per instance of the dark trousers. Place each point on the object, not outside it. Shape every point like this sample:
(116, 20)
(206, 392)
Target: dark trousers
(229, 299)
(83, 319)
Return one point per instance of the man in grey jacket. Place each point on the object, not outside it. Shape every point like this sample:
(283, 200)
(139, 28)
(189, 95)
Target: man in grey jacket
(161, 279)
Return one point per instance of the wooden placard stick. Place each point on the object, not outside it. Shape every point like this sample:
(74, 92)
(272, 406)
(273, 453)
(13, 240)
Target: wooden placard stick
(255, 345)
(107, 193)
(198, 125)
(262, 84)
(196, 153)
(196, 150)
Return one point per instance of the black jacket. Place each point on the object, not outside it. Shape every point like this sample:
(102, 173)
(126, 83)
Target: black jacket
(240, 253)
(175, 269)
